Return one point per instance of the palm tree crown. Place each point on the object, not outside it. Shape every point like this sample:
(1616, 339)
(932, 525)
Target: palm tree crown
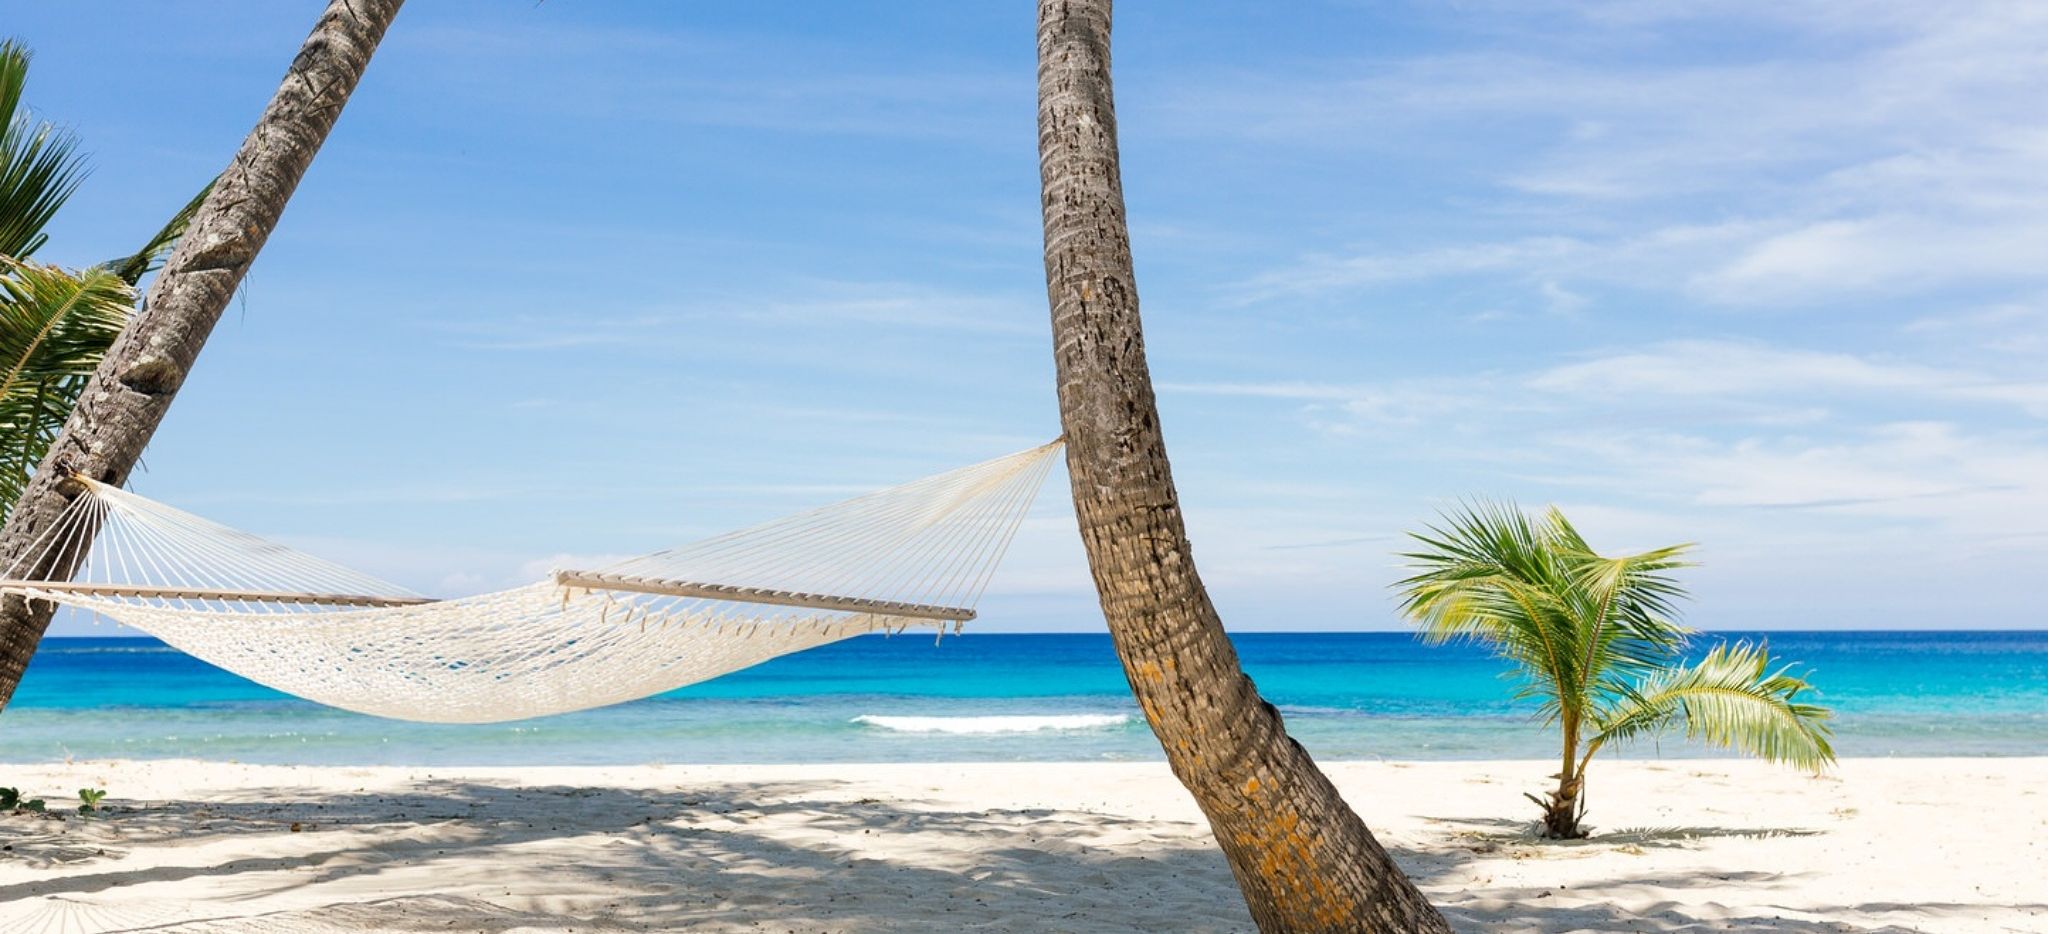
(1596, 643)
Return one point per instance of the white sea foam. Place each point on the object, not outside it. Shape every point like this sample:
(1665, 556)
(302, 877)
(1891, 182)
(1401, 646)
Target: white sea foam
(1010, 724)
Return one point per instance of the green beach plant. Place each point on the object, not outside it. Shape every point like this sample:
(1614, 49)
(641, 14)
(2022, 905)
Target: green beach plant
(89, 800)
(11, 801)
(1595, 642)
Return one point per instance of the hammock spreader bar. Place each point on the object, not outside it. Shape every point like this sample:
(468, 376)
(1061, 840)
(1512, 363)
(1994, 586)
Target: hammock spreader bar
(582, 580)
(203, 594)
(593, 580)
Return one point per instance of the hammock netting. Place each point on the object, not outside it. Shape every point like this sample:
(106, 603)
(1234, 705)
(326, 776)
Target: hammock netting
(917, 554)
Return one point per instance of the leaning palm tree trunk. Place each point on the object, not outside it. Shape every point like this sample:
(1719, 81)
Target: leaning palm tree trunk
(133, 388)
(1303, 859)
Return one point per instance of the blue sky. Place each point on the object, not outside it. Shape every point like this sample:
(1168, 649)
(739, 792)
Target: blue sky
(587, 279)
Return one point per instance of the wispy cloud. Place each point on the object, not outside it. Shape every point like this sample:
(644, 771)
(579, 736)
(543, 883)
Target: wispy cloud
(1936, 472)
(1837, 259)
(1701, 428)
(1351, 541)
(708, 79)
(1731, 368)
(2012, 327)
(905, 305)
(1322, 273)
(689, 320)
(1894, 151)
(1341, 408)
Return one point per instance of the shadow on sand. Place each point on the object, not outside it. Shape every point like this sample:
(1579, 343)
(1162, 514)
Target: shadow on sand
(470, 856)
(551, 858)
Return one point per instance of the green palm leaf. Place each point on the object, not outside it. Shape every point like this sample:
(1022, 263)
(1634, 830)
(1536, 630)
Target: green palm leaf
(39, 163)
(133, 267)
(1626, 607)
(54, 322)
(1487, 575)
(1731, 698)
(55, 326)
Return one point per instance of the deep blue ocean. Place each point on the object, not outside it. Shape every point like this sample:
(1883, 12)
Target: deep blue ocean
(1006, 697)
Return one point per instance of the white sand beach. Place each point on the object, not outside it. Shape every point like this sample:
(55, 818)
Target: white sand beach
(1683, 845)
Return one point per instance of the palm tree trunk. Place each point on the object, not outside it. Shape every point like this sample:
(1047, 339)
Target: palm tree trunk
(1303, 859)
(133, 388)
(1561, 813)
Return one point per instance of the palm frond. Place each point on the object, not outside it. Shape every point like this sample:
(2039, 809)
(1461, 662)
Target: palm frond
(133, 267)
(55, 327)
(29, 422)
(1627, 604)
(1487, 574)
(54, 322)
(1731, 698)
(39, 163)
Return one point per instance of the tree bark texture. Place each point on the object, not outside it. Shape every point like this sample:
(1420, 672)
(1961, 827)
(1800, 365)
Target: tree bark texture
(135, 384)
(1563, 813)
(1303, 858)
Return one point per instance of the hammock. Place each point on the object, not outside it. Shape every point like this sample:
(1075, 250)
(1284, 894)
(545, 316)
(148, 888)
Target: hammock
(918, 554)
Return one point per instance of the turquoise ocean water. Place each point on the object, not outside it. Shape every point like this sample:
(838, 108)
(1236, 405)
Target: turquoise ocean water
(1004, 697)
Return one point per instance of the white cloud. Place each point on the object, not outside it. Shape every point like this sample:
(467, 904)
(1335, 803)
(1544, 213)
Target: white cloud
(1563, 301)
(1276, 390)
(1330, 273)
(1894, 151)
(905, 305)
(1785, 461)
(1753, 384)
(1341, 408)
(1835, 259)
(2015, 327)
(712, 80)
(895, 307)
(1974, 484)
(1730, 368)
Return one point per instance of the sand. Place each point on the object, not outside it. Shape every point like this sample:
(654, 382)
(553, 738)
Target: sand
(1683, 845)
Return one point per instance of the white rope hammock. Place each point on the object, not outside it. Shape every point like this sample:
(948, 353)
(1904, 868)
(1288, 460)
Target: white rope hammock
(921, 553)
